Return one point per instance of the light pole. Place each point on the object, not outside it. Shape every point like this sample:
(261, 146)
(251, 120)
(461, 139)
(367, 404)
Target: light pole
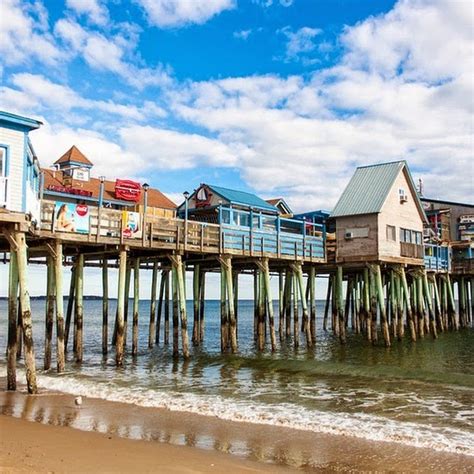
(101, 200)
(186, 211)
(145, 187)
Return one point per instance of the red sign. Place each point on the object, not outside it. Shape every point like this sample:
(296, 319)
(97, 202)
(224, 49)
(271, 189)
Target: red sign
(82, 210)
(63, 189)
(127, 190)
(203, 197)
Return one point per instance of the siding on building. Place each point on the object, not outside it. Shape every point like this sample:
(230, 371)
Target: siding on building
(400, 215)
(364, 245)
(16, 142)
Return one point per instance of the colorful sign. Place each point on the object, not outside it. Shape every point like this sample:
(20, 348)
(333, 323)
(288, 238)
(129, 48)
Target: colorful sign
(127, 190)
(131, 225)
(71, 217)
(63, 189)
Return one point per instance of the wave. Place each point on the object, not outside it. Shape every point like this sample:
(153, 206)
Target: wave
(286, 415)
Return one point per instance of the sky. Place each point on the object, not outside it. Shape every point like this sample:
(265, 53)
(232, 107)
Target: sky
(283, 98)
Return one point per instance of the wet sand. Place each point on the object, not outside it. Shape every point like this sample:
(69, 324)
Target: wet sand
(38, 432)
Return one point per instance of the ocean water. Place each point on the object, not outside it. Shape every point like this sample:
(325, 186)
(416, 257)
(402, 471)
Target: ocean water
(416, 394)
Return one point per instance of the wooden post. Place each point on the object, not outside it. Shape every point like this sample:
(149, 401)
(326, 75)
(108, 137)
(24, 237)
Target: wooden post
(119, 344)
(340, 304)
(394, 302)
(50, 297)
(366, 304)
(232, 323)
(202, 304)
(136, 302)
(152, 330)
(19, 331)
(281, 306)
(79, 309)
(105, 305)
(328, 303)
(462, 302)
(312, 302)
(12, 320)
(381, 301)
(29, 352)
(128, 279)
(70, 306)
(196, 304)
(223, 306)
(235, 276)
(160, 306)
(406, 293)
(58, 278)
(452, 304)
(429, 304)
(288, 286)
(437, 305)
(166, 339)
(182, 305)
(269, 301)
(296, 331)
(298, 271)
(373, 306)
(174, 292)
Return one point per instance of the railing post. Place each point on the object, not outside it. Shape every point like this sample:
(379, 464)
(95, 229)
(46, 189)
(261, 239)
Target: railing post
(251, 232)
(278, 228)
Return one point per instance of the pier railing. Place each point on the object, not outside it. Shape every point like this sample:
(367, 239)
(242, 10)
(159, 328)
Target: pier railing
(437, 258)
(109, 226)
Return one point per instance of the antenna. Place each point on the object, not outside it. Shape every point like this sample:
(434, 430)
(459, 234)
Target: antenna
(420, 187)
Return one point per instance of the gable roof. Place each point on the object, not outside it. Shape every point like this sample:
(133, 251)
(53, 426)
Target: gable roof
(369, 187)
(280, 201)
(155, 197)
(243, 198)
(25, 123)
(75, 155)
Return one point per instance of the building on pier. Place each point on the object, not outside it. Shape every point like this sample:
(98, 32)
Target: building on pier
(283, 208)
(379, 217)
(71, 182)
(19, 167)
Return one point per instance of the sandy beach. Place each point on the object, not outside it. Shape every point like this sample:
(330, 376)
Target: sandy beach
(38, 432)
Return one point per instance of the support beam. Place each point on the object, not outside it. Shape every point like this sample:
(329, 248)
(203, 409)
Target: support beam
(29, 352)
(79, 309)
(264, 268)
(161, 297)
(105, 305)
(196, 305)
(12, 319)
(136, 303)
(49, 319)
(119, 345)
(70, 305)
(202, 304)
(226, 264)
(153, 317)
(381, 302)
(58, 278)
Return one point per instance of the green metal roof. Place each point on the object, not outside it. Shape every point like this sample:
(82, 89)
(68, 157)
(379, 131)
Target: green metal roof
(369, 187)
(242, 198)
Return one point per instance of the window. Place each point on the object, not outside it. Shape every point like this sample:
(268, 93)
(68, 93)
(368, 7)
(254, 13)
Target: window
(391, 233)
(411, 236)
(3, 161)
(405, 235)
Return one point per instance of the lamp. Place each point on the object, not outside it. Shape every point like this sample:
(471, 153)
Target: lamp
(101, 190)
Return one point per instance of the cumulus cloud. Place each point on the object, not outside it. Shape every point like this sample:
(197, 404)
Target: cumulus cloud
(243, 34)
(178, 13)
(37, 93)
(94, 9)
(300, 43)
(24, 34)
(109, 53)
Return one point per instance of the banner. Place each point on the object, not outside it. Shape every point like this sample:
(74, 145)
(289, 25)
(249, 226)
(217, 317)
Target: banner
(71, 217)
(131, 225)
(127, 190)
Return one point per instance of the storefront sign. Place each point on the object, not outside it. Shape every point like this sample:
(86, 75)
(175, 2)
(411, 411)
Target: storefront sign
(67, 190)
(70, 217)
(127, 190)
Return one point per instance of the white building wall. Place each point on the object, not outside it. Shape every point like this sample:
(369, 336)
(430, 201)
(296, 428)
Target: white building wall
(15, 140)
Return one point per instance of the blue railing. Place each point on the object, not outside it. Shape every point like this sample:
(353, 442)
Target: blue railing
(437, 258)
(258, 234)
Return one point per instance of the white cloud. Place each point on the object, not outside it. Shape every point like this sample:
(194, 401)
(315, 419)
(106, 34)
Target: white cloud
(243, 34)
(168, 149)
(36, 93)
(177, 13)
(93, 9)
(300, 43)
(24, 34)
(110, 53)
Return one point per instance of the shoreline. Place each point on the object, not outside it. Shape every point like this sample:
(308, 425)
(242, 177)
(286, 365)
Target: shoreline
(263, 446)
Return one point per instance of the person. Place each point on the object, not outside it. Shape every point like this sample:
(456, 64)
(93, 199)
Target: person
(63, 222)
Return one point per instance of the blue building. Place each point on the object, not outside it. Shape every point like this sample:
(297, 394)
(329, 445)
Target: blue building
(19, 167)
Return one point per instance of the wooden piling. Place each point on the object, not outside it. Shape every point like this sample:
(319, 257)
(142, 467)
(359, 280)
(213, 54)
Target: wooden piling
(196, 304)
(174, 295)
(367, 307)
(159, 311)
(58, 278)
(167, 307)
(223, 307)
(281, 305)
(404, 288)
(232, 323)
(269, 301)
(340, 304)
(79, 309)
(429, 304)
(296, 330)
(328, 303)
(128, 280)
(180, 270)
(202, 304)
(287, 305)
(381, 302)
(298, 271)
(29, 352)
(312, 302)
(49, 319)
(70, 306)
(373, 306)
(12, 320)
(153, 316)
(136, 303)
(105, 305)
(119, 345)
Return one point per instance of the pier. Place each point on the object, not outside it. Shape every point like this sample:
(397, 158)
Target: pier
(388, 275)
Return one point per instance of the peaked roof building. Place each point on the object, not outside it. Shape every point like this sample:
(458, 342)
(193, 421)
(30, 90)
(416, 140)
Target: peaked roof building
(369, 188)
(74, 156)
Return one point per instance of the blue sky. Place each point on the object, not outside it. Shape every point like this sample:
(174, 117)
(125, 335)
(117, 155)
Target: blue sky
(280, 97)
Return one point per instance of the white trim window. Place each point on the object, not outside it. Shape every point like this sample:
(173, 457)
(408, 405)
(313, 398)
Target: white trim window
(3, 177)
